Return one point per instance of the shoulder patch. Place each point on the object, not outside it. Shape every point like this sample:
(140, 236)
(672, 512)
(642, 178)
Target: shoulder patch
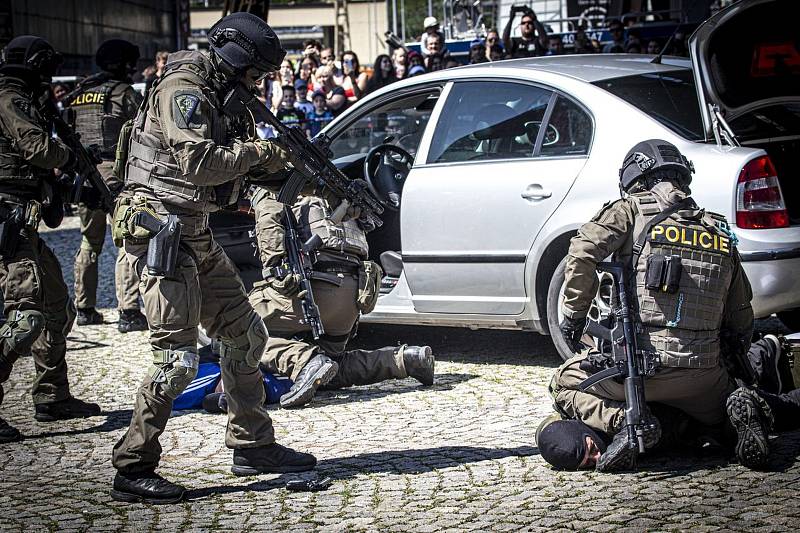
(186, 110)
(23, 105)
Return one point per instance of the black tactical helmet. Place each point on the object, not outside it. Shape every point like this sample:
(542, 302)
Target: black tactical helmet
(243, 40)
(117, 55)
(648, 157)
(31, 54)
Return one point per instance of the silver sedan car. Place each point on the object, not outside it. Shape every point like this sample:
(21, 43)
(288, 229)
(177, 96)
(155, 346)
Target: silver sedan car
(487, 171)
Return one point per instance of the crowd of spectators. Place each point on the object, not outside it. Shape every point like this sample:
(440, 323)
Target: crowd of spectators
(309, 93)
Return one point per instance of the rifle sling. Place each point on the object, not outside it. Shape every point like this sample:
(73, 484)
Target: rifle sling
(603, 375)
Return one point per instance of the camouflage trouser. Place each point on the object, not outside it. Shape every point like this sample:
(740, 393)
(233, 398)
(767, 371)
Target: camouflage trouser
(93, 231)
(206, 290)
(338, 311)
(699, 392)
(31, 280)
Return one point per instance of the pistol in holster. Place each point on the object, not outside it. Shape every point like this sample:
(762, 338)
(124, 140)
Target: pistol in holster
(162, 249)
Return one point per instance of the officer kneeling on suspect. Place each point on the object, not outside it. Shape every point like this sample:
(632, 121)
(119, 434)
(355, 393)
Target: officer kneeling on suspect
(187, 155)
(689, 322)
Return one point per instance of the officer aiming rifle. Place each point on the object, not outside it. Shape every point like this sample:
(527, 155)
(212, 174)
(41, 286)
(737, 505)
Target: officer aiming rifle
(311, 162)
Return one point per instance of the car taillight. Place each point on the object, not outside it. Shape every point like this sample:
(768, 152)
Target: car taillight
(759, 201)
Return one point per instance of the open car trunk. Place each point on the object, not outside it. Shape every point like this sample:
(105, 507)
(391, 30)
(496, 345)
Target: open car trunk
(746, 61)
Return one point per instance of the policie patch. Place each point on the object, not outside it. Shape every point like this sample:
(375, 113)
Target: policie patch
(186, 110)
(690, 238)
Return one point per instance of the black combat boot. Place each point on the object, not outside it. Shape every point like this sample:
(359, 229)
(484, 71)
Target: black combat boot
(89, 316)
(620, 455)
(131, 320)
(8, 433)
(215, 403)
(317, 372)
(751, 417)
(419, 363)
(147, 487)
(271, 459)
(65, 409)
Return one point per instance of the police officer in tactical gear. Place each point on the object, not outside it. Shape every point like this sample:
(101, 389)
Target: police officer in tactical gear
(345, 284)
(188, 150)
(38, 310)
(691, 291)
(98, 108)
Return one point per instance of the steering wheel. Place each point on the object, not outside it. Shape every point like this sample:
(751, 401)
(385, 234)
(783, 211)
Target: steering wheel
(385, 170)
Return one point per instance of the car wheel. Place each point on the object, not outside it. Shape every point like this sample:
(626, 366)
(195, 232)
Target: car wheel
(600, 309)
(791, 319)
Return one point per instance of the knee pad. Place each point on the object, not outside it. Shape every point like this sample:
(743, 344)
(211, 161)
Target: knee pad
(248, 346)
(21, 330)
(174, 369)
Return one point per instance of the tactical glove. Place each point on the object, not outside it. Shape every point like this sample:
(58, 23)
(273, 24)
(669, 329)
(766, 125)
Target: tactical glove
(572, 329)
(272, 156)
(288, 286)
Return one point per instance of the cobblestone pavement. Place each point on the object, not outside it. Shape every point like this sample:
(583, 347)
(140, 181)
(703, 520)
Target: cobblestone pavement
(455, 456)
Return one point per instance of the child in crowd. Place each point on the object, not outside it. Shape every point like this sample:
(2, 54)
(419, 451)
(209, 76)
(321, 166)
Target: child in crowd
(287, 112)
(321, 115)
(301, 91)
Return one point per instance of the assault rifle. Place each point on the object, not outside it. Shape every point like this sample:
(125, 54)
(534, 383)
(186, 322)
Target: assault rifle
(628, 362)
(299, 261)
(86, 162)
(311, 162)
(162, 249)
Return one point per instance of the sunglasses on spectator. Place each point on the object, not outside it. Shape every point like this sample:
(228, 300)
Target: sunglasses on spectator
(491, 39)
(526, 23)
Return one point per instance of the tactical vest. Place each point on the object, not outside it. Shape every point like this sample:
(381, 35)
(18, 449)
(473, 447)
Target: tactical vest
(343, 239)
(682, 279)
(16, 174)
(150, 161)
(94, 117)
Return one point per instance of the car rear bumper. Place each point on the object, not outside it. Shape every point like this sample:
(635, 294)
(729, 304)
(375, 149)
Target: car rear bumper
(773, 276)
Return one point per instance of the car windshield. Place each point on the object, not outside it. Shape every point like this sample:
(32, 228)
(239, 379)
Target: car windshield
(668, 97)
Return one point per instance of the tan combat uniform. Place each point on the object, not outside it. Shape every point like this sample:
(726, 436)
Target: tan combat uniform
(682, 327)
(31, 277)
(182, 147)
(99, 111)
(336, 291)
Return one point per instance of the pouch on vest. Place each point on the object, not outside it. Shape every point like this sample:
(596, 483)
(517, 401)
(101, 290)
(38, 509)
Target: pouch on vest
(369, 282)
(123, 226)
(663, 273)
(123, 144)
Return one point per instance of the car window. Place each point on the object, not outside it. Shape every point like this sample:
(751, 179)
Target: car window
(402, 119)
(670, 98)
(569, 130)
(489, 120)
